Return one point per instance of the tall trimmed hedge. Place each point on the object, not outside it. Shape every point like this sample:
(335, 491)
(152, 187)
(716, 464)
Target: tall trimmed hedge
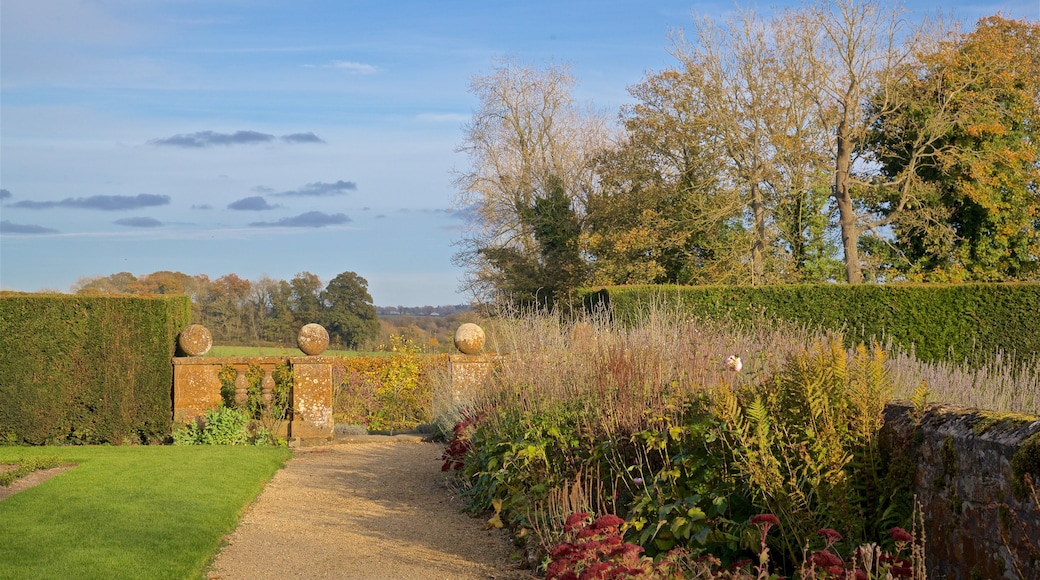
(962, 322)
(87, 369)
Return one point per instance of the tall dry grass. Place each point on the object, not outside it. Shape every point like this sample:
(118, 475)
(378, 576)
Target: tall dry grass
(629, 372)
(998, 386)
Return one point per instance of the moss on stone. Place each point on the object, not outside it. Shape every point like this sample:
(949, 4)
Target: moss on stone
(990, 420)
(1025, 461)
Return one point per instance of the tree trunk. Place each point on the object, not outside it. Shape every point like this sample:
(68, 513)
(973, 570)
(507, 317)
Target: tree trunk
(758, 249)
(846, 215)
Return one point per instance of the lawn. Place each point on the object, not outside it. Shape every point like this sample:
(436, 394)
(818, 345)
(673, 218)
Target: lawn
(130, 512)
(223, 351)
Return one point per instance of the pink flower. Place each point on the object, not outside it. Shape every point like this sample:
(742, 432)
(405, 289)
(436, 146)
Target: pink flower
(825, 559)
(831, 536)
(575, 520)
(733, 363)
(765, 519)
(900, 535)
(607, 521)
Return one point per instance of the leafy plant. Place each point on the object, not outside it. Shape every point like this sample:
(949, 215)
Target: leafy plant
(805, 442)
(681, 492)
(221, 426)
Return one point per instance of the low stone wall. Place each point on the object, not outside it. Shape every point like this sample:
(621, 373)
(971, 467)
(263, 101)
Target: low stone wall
(196, 389)
(981, 518)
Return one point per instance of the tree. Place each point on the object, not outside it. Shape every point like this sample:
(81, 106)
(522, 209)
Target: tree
(965, 146)
(556, 268)
(280, 325)
(347, 310)
(527, 135)
(855, 50)
(659, 214)
(225, 310)
(305, 298)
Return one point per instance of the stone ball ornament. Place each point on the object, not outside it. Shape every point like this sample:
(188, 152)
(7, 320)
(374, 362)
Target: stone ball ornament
(313, 339)
(195, 340)
(469, 338)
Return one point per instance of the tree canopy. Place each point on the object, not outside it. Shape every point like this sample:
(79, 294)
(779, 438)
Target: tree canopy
(836, 141)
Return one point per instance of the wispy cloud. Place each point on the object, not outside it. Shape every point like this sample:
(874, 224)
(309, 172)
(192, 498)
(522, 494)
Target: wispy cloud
(443, 117)
(321, 189)
(358, 68)
(99, 202)
(4, 194)
(138, 222)
(211, 138)
(311, 219)
(7, 227)
(201, 206)
(202, 139)
(254, 203)
(302, 138)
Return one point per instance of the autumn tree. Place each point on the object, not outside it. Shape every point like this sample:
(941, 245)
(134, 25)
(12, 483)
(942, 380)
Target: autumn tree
(659, 215)
(757, 113)
(964, 147)
(226, 310)
(527, 136)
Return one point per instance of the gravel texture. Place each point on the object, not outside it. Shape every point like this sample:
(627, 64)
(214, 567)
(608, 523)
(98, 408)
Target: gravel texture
(368, 507)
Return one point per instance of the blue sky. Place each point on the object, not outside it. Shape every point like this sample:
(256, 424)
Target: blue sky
(262, 137)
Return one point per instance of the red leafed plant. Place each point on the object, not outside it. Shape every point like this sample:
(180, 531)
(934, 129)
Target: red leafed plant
(460, 444)
(594, 549)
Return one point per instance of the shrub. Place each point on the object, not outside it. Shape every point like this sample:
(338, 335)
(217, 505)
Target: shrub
(389, 393)
(87, 369)
(221, 426)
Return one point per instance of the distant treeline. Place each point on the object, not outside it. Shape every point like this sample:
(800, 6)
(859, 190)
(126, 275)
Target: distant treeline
(422, 310)
(264, 311)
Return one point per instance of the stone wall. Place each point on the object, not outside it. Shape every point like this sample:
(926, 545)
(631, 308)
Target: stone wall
(196, 388)
(981, 517)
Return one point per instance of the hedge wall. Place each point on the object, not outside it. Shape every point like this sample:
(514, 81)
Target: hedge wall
(964, 322)
(79, 369)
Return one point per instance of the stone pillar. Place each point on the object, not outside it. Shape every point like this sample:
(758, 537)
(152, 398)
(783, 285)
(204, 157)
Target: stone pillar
(468, 373)
(469, 370)
(196, 387)
(312, 421)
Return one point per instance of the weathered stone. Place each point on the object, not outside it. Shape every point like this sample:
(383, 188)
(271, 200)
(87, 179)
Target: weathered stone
(195, 340)
(469, 338)
(312, 421)
(975, 525)
(313, 339)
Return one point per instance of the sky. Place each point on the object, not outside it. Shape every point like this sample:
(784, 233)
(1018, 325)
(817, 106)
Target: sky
(269, 138)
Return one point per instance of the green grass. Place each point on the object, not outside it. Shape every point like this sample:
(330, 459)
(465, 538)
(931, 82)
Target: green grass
(279, 351)
(129, 512)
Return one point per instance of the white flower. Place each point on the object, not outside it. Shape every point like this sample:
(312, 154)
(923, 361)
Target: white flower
(733, 363)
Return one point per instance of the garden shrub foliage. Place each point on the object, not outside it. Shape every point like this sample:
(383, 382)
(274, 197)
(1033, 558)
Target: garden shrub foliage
(937, 322)
(87, 369)
(683, 449)
(387, 393)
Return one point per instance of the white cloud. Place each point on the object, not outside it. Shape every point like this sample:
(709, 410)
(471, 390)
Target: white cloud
(359, 68)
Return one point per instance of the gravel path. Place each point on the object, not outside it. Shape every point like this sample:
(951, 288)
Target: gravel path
(366, 508)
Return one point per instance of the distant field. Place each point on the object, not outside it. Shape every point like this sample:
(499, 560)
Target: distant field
(276, 351)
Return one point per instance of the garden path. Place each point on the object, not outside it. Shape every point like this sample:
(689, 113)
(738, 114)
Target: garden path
(370, 507)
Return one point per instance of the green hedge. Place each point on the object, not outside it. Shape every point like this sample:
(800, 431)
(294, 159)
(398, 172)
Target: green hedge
(962, 323)
(87, 369)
